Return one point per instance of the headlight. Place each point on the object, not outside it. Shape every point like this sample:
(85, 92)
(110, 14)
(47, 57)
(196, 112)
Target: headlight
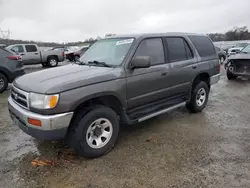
(40, 101)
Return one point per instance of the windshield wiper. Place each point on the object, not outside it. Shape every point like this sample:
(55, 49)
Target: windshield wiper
(78, 62)
(99, 63)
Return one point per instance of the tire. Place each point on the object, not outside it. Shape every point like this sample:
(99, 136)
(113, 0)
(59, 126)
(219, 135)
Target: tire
(3, 83)
(80, 131)
(52, 62)
(230, 76)
(76, 57)
(199, 90)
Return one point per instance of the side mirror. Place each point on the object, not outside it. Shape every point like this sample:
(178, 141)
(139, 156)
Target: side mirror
(140, 62)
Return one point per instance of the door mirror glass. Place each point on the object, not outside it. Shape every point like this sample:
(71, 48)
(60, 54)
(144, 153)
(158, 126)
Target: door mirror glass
(140, 62)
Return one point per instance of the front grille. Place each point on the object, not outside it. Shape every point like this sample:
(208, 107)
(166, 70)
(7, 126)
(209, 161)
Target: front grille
(20, 97)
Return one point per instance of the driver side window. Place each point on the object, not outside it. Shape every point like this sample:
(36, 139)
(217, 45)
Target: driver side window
(153, 48)
(18, 49)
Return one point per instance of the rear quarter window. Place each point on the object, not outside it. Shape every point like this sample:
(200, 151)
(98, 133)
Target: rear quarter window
(204, 46)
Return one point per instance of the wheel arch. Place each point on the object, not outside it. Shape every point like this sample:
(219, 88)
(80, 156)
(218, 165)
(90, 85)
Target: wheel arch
(202, 76)
(104, 98)
(52, 56)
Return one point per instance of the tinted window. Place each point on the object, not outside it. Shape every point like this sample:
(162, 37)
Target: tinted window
(188, 51)
(30, 48)
(178, 49)
(18, 49)
(204, 46)
(152, 48)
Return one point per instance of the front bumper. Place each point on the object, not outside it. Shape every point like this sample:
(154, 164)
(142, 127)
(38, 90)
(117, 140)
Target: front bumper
(53, 127)
(214, 79)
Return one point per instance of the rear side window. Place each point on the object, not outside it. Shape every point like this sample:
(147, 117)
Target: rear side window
(178, 49)
(204, 46)
(152, 48)
(30, 48)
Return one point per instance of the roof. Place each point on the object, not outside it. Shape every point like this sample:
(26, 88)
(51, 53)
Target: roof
(145, 35)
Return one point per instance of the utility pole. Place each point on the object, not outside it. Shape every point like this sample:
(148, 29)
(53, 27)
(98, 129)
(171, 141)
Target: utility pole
(5, 35)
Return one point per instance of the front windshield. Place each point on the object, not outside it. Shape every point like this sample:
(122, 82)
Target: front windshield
(246, 49)
(110, 51)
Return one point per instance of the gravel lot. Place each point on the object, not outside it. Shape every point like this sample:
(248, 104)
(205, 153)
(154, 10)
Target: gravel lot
(210, 149)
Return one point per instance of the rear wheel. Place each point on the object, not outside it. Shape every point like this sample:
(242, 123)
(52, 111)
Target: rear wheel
(199, 97)
(3, 83)
(94, 133)
(230, 76)
(52, 61)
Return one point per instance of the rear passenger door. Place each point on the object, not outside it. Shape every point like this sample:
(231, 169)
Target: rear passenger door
(146, 85)
(32, 53)
(183, 65)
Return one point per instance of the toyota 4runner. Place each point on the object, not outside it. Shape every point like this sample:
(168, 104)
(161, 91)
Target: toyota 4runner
(128, 79)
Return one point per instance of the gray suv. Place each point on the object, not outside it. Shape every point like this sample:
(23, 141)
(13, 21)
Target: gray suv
(128, 79)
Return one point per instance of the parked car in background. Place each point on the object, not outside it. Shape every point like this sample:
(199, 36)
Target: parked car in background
(32, 54)
(239, 64)
(63, 48)
(237, 48)
(11, 67)
(221, 53)
(128, 78)
(77, 54)
(3, 45)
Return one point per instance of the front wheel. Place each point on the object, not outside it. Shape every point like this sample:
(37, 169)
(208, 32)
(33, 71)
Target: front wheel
(95, 133)
(76, 58)
(3, 83)
(230, 76)
(199, 97)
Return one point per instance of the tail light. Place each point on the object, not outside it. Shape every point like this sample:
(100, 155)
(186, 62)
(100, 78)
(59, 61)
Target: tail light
(63, 54)
(14, 57)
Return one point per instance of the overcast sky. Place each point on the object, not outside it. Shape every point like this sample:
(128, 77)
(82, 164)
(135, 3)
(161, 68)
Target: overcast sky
(76, 20)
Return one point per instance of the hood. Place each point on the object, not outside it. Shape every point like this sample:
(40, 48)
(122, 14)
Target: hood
(56, 80)
(239, 56)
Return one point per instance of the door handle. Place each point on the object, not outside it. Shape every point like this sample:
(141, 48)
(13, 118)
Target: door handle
(194, 66)
(36, 53)
(22, 54)
(164, 73)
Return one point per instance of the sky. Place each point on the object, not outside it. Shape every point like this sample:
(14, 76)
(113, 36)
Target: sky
(76, 20)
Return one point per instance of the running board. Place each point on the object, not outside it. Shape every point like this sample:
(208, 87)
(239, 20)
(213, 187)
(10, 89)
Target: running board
(161, 112)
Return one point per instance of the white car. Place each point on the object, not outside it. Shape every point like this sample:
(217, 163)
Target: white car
(237, 48)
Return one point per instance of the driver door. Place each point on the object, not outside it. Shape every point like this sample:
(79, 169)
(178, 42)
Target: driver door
(145, 85)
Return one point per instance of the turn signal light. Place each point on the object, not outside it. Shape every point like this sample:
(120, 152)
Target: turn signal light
(35, 122)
